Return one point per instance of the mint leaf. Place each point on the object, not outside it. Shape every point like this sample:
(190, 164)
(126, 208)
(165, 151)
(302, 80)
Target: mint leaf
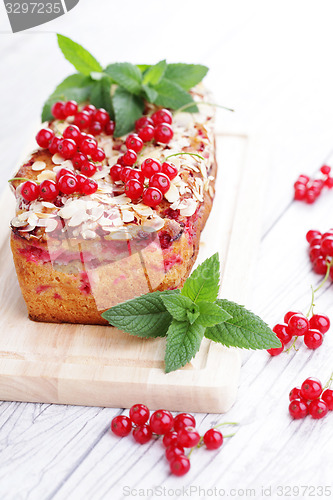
(101, 96)
(183, 342)
(143, 67)
(154, 74)
(171, 95)
(211, 314)
(145, 316)
(75, 87)
(126, 75)
(186, 75)
(203, 284)
(178, 306)
(127, 109)
(149, 93)
(81, 59)
(244, 329)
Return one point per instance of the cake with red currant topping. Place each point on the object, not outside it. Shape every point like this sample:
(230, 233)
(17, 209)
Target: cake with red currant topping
(99, 219)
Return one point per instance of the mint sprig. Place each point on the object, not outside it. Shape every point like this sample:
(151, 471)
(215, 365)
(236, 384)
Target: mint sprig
(185, 317)
(163, 84)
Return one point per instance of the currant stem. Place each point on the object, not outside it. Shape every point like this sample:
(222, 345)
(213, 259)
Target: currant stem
(19, 179)
(184, 153)
(292, 345)
(190, 104)
(225, 423)
(314, 291)
(329, 382)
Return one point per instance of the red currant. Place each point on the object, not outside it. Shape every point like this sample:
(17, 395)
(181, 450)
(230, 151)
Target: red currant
(70, 108)
(325, 169)
(152, 197)
(315, 252)
(327, 246)
(300, 193)
(295, 393)
(129, 158)
(282, 333)
(213, 439)
(98, 155)
(288, 315)
(125, 173)
(303, 179)
(44, 137)
(170, 438)
(163, 133)
(311, 388)
(180, 465)
(139, 414)
(102, 116)
(58, 110)
(134, 143)
(313, 233)
(82, 120)
(320, 265)
(53, 147)
(78, 160)
(67, 148)
(298, 325)
(121, 425)
(133, 189)
(329, 182)
(183, 420)
(136, 174)
(88, 168)
(73, 132)
(80, 179)
(188, 437)
(170, 170)
(48, 190)
(147, 133)
(29, 191)
(150, 167)
(313, 339)
(67, 184)
(96, 128)
(275, 351)
(109, 128)
(90, 108)
(115, 171)
(142, 434)
(327, 396)
(142, 122)
(298, 409)
(161, 182)
(173, 451)
(161, 421)
(161, 116)
(88, 187)
(88, 146)
(318, 409)
(63, 171)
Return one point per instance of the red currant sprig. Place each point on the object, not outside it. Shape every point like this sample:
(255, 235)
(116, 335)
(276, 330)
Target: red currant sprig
(308, 190)
(311, 399)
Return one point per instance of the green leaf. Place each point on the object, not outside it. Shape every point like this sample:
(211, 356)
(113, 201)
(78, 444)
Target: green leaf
(81, 59)
(154, 74)
(149, 93)
(203, 284)
(101, 96)
(211, 314)
(75, 87)
(244, 329)
(145, 316)
(178, 306)
(127, 109)
(186, 75)
(183, 342)
(143, 67)
(126, 75)
(171, 95)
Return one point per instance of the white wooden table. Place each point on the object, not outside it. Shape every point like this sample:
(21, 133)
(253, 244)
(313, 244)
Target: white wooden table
(273, 64)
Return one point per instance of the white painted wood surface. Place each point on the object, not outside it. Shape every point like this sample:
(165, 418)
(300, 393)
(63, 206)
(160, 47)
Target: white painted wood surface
(272, 63)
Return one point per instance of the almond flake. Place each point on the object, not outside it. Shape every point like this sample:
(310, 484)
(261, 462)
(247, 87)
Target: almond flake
(38, 165)
(46, 175)
(128, 215)
(173, 194)
(189, 208)
(58, 159)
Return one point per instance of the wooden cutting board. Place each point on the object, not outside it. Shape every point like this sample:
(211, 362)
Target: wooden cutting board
(102, 366)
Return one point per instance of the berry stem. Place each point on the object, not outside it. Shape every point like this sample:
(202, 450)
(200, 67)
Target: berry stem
(329, 382)
(19, 179)
(190, 104)
(314, 291)
(292, 346)
(184, 153)
(225, 423)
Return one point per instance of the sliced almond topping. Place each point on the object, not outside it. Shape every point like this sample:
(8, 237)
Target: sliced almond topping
(173, 194)
(58, 159)
(47, 175)
(38, 165)
(128, 215)
(189, 208)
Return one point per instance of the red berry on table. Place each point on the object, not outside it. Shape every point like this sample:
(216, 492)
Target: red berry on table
(295, 393)
(173, 451)
(121, 425)
(170, 170)
(136, 174)
(213, 439)
(170, 438)
(133, 189)
(327, 246)
(90, 108)
(88, 146)
(67, 148)
(300, 193)
(288, 315)
(161, 116)
(282, 333)
(320, 265)
(183, 420)
(73, 132)
(89, 187)
(315, 252)
(150, 167)
(82, 120)
(134, 143)
(298, 409)
(125, 173)
(313, 339)
(318, 409)
(53, 147)
(275, 351)
(298, 325)
(329, 182)
(313, 233)
(96, 128)
(142, 122)
(163, 133)
(109, 127)
(139, 414)
(188, 437)
(311, 388)
(142, 434)
(98, 155)
(29, 191)
(78, 160)
(44, 137)
(115, 171)
(147, 133)
(160, 181)
(303, 179)
(102, 116)
(70, 108)
(152, 197)
(161, 421)
(311, 195)
(180, 465)
(48, 190)
(327, 396)
(325, 169)
(88, 168)
(67, 184)
(57, 110)
(129, 158)
(62, 172)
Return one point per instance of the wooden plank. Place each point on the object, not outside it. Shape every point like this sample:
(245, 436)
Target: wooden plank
(101, 366)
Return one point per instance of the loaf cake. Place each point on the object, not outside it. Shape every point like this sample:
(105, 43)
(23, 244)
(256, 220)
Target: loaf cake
(79, 253)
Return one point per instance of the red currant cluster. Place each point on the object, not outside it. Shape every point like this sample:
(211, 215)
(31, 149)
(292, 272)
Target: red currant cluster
(309, 190)
(157, 126)
(310, 399)
(321, 251)
(178, 433)
(297, 325)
